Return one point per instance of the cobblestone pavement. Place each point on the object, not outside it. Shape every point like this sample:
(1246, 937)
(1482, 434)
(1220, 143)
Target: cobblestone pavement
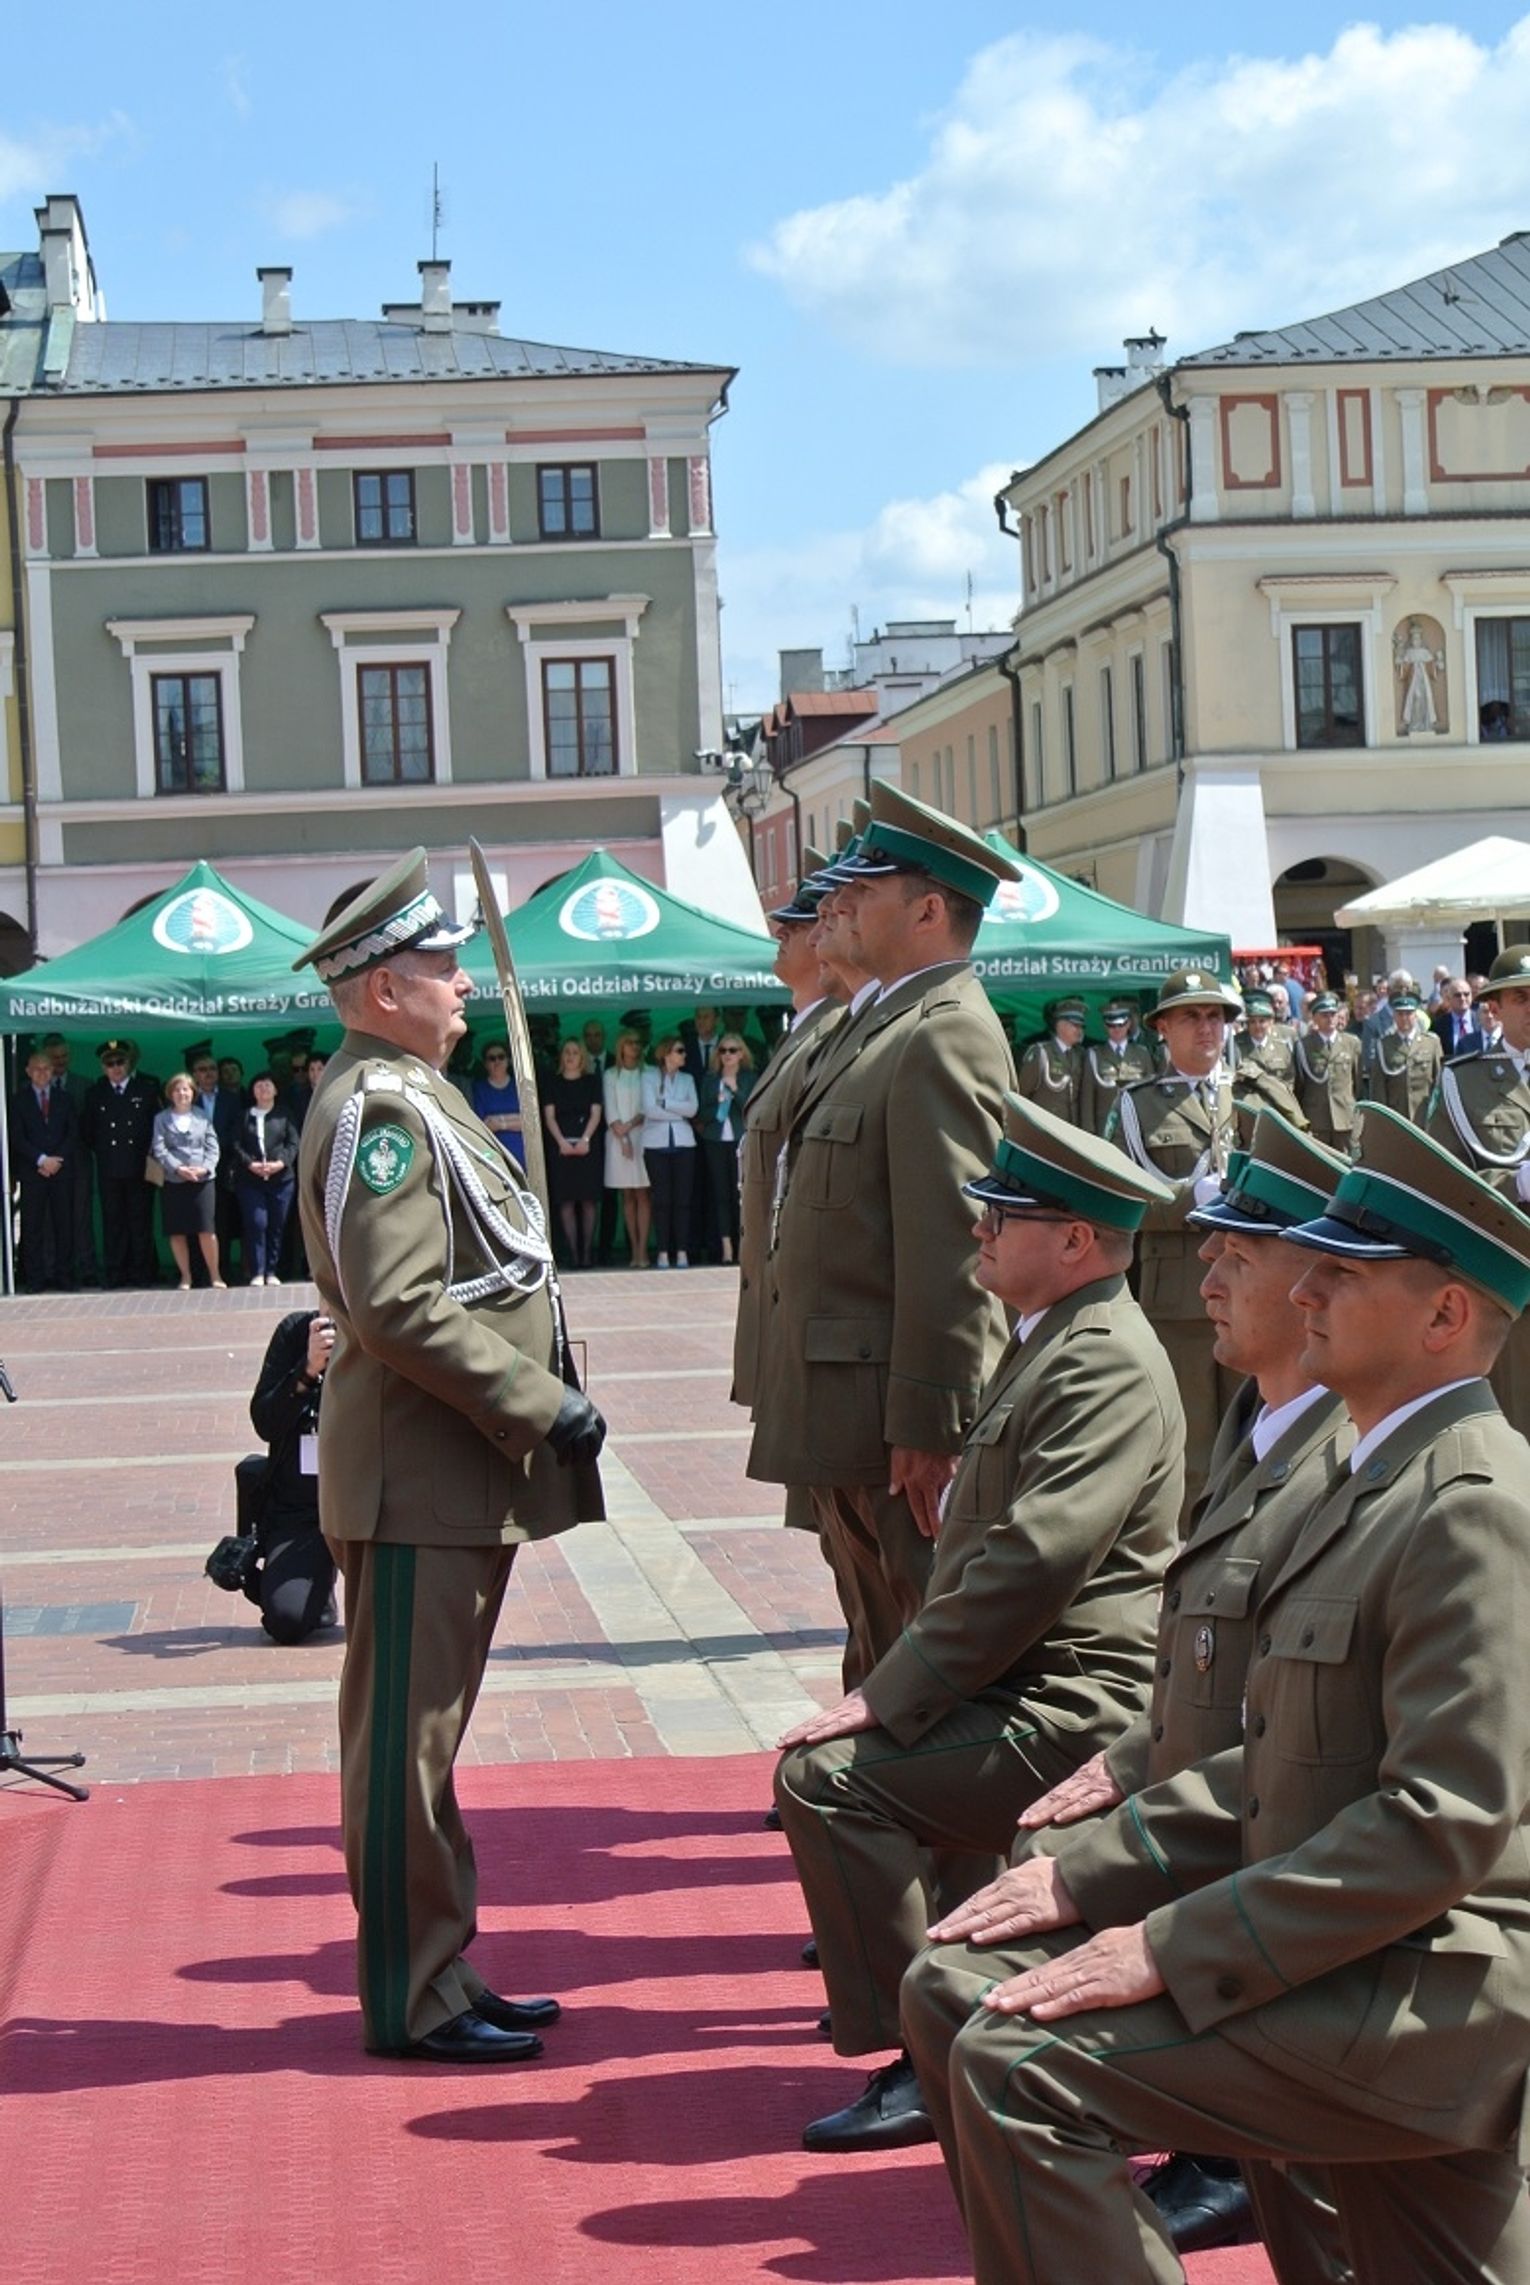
(691, 1623)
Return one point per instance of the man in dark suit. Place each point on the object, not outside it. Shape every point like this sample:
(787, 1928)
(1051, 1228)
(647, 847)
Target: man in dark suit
(1455, 1022)
(116, 1127)
(76, 1086)
(44, 1151)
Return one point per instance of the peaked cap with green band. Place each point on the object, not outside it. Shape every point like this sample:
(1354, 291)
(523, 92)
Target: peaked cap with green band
(1280, 1178)
(1405, 1197)
(808, 895)
(398, 913)
(1049, 1163)
(905, 836)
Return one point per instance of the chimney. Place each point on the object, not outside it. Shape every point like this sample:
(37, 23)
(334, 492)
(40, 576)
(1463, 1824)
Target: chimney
(275, 300)
(436, 297)
(1110, 381)
(1142, 355)
(68, 273)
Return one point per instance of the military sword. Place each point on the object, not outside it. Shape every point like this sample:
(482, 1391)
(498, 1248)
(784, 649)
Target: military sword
(517, 1030)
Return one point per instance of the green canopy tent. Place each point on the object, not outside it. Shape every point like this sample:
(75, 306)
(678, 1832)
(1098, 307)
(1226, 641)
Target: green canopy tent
(602, 939)
(202, 956)
(1044, 935)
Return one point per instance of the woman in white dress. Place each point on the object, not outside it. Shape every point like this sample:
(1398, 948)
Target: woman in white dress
(626, 1169)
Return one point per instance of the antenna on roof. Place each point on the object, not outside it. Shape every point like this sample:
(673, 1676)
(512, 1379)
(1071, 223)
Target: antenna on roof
(969, 602)
(437, 210)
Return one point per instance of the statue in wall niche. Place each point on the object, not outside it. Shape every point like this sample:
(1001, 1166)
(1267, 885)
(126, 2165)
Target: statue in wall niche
(1418, 652)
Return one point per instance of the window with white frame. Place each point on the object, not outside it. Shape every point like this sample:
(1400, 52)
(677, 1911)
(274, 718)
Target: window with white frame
(187, 730)
(581, 708)
(395, 716)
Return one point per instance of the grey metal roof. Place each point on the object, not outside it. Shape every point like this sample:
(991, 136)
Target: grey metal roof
(23, 329)
(1476, 308)
(120, 359)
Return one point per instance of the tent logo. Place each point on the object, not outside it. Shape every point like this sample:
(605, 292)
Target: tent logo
(199, 922)
(1029, 899)
(609, 912)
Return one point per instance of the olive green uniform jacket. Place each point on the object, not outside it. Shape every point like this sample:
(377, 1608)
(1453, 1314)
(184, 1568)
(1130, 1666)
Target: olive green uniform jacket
(1370, 1928)
(876, 1332)
(767, 1122)
(1051, 1075)
(1403, 1073)
(1481, 1113)
(435, 1411)
(1328, 1085)
(1105, 1071)
(1264, 1076)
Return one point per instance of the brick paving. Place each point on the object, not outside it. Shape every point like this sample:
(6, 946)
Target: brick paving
(691, 1623)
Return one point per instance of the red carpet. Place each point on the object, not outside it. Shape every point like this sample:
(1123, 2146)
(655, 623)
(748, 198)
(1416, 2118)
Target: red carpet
(183, 2096)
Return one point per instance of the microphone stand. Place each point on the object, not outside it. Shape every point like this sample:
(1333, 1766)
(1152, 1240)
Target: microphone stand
(12, 1759)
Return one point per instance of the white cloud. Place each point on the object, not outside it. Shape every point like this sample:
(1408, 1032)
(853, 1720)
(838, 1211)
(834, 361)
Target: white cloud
(912, 561)
(235, 71)
(1073, 193)
(309, 213)
(32, 165)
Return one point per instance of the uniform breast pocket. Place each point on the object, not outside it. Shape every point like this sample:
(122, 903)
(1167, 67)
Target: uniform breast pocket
(1212, 1636)
(983, 1481)
(828, 1160)
(1318, 1707)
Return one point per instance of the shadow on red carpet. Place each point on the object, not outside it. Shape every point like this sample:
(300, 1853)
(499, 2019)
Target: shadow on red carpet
(184, 2096)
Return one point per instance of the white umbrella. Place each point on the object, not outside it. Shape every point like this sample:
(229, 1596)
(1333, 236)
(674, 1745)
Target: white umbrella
(1490, 878)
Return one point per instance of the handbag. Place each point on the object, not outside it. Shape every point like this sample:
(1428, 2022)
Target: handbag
(153, 1172)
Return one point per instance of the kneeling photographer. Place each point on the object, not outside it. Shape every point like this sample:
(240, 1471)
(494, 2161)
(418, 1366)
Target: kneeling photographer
(294, 1579)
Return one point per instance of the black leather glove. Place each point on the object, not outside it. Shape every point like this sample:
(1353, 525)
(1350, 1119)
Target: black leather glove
(578, 1432)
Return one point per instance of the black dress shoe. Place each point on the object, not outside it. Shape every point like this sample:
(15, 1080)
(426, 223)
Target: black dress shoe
(810, 1953)
(469, 2039)
(1202, 2202)
(516, 2014)
(890, 2115)
(772, 1819)
(826, 2025)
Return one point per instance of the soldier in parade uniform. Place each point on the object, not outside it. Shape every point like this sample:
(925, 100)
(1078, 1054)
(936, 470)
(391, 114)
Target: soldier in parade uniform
(1264, 1061)
(1318, 1945)
(449, 1434)
(1328, 1071)
(116, 1128)
(1123, 1058)
(1280, 1442)
(1051, 1069)
(1405, 1064)
(1034, 1644)
(1481, 1112)
(1180, 1125)
(877, 1337)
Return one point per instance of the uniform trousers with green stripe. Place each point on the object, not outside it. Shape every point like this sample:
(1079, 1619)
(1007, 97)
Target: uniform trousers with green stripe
(861, 1812)
(419, 1622)
(1038, 2121)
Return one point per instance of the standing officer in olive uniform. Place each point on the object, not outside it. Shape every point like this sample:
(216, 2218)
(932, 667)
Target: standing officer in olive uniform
(1280, 1442)
(1051, 1068)
(1034, 1645)
(1327, 1063)
(1405, 1067)
(449, 1434)
(1124, 1057)
(1180, 1125)
(876, 1337)
(1264, 1062)
(1481, 1112)
(1323, 1951)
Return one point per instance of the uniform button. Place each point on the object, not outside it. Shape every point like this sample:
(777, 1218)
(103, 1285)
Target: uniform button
(1259, 1725)
(1165, 1665)
(1253, 1807)
(863, 1354)
(1229, 1987)
(1264, 1646)
(1308, 1638)
(1158, 1733)
(1174, 1599)
(1211, 1596)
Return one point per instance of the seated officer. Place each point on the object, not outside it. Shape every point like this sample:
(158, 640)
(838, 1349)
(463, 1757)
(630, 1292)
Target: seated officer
(1033, 1647)
(1319, 1944)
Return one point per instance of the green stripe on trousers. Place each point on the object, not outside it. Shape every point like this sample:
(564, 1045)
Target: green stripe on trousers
(384, 1885)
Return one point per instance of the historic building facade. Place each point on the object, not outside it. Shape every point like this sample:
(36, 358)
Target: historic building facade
(298, 593)
(1274, 642)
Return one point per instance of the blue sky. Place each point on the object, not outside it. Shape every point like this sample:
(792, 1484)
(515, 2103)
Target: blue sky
(915, 229)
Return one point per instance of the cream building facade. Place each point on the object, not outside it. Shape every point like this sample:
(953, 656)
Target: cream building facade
(1274, 641)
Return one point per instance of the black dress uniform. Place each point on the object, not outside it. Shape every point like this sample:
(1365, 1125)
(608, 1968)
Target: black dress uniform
(116, 1127)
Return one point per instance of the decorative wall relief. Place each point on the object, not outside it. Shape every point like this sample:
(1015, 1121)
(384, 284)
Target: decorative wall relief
(1423, 698)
